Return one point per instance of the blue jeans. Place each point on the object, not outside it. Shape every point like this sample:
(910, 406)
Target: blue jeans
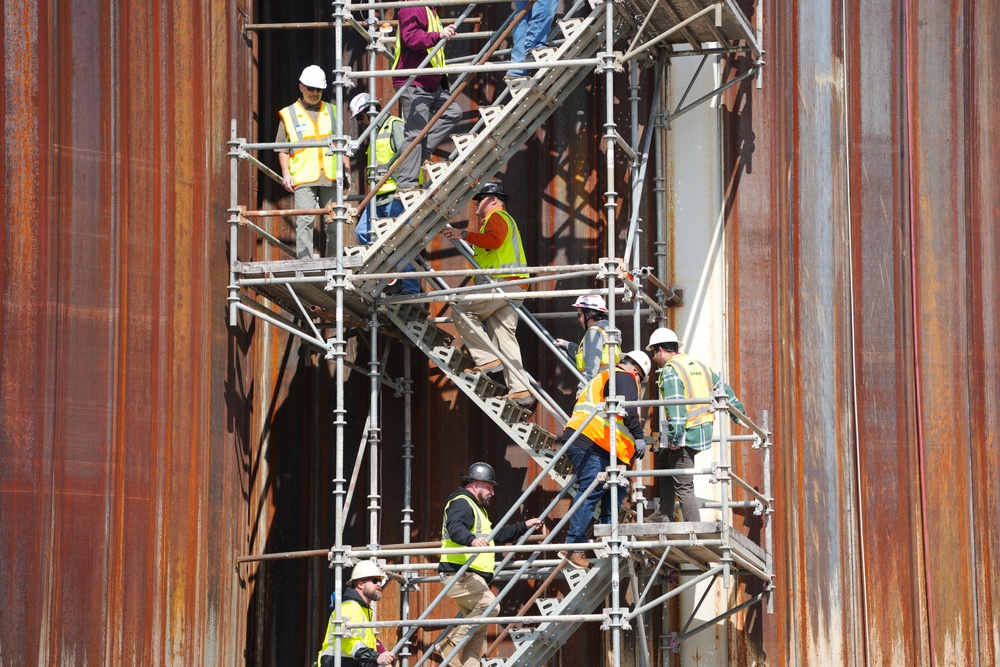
(364, 233)
(532, 31)
(588, 464)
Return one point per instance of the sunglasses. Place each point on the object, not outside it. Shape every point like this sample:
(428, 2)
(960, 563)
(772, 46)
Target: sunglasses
(313, 90)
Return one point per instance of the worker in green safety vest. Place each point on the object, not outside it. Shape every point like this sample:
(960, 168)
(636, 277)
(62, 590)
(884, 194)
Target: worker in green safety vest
(467, 524)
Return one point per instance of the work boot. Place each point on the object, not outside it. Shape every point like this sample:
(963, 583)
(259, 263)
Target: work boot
(522, 399)
(494, 366)
(575, 559)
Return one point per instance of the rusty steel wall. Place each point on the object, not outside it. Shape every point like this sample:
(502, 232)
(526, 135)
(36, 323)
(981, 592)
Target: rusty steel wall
(120, 506)
(864, 198)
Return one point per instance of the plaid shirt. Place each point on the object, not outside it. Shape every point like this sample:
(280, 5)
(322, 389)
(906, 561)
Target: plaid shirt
(673, 434)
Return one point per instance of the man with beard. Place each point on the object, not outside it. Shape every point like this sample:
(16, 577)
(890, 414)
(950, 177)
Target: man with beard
(467, 523)
(360, 647)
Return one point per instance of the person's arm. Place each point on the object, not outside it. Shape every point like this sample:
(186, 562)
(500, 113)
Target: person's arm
(413, 29)
(730, 394)
(593, 348)
(492, 236)
(286, 177)
(672, 429)
(460, 521)
(627, 387)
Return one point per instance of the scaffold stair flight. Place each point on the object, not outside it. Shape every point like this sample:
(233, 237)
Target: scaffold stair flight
(536, 645)
(486, 394)
(479, 156)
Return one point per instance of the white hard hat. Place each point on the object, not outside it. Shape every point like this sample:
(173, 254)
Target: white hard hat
(313, 77)
(366, 569)
(641, 359)
(662, 336)
(592, 302)
(360, 103)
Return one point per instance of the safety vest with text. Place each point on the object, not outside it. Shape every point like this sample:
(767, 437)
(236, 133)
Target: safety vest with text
(481, 527)
(509, 255)
(304, 163)
(697, 379)
(598, 430)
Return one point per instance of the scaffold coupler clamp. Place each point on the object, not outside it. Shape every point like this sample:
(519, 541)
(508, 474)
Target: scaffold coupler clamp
(673, 643)
(611, 621)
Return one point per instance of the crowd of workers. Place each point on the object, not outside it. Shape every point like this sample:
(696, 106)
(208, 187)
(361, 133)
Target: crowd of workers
(489, 325)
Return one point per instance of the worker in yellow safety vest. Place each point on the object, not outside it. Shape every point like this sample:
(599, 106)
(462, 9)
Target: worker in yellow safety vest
(359, 647)
(590, 446)
(309, 172)
(592, 355)
(467, 524)
(686, 429)
(497, 245)
(419, 32)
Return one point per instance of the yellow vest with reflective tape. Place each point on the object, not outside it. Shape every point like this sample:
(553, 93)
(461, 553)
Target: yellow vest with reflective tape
(304, 163)
(599, 429)
(581, 363)
(355, 638)
(384, 152)
(433, 25)
(697, 379)
(481, 527)
(510, 255)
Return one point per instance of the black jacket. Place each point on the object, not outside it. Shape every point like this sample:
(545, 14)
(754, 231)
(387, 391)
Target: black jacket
(459, 520)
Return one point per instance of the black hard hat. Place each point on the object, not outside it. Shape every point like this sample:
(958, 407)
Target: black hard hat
(480, 472)
(491, 189)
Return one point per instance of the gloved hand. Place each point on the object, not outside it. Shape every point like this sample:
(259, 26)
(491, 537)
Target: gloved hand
(640, 448)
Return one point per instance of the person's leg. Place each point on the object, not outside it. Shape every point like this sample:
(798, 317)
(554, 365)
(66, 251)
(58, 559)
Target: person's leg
(502, 327)
(326, 195)
(415, 104)
(305, 197)
(588, 465)
(363, 229)
(445, 125)
(473, 596)
(394, 209)
(684, 485)
(542, 15)
(520, 32)
(474, 336)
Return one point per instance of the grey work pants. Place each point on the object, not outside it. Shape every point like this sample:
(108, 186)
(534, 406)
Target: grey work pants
(500, 322)
(681, 485)
(309, 196)
(418, 105)
(473, 596)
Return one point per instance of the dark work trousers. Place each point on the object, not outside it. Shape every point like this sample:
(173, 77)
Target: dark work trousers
(682, 485)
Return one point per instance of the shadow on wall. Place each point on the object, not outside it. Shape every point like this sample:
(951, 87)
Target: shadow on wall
(288, 488)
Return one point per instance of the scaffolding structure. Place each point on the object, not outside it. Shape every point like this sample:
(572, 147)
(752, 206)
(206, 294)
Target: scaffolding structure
(318, 300)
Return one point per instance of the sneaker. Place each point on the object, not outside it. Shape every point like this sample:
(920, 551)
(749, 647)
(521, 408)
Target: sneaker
(522, 399)
(575, 559)
(489, 367)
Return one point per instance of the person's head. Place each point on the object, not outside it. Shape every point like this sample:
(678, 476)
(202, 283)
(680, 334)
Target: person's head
(663, 344)
(590, 308)
(639, 362)
(491, 196)
(312, 83)
(360, 106)
(367, 579)
(480, 481)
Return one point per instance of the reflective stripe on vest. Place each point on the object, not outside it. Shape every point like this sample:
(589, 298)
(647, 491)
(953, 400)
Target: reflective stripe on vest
(433, 25)
(598, 430)
(481, 527)
(581, 363)
(697, 379)
(355, 638)
(304, 163)
(508, 256)
(384, 152)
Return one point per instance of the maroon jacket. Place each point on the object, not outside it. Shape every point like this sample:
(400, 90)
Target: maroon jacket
(414, 42)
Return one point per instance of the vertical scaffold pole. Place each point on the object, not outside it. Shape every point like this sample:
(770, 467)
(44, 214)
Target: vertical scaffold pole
(614, 335)
(407, 479)
(337, 349)
(374, 431)
(234, 222)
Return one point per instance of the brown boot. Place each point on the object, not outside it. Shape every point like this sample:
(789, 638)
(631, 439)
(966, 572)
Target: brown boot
(575, 559)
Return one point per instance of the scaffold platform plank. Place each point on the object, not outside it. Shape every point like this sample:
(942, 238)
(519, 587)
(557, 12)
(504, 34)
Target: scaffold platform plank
(702, 548)
(665, 14)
